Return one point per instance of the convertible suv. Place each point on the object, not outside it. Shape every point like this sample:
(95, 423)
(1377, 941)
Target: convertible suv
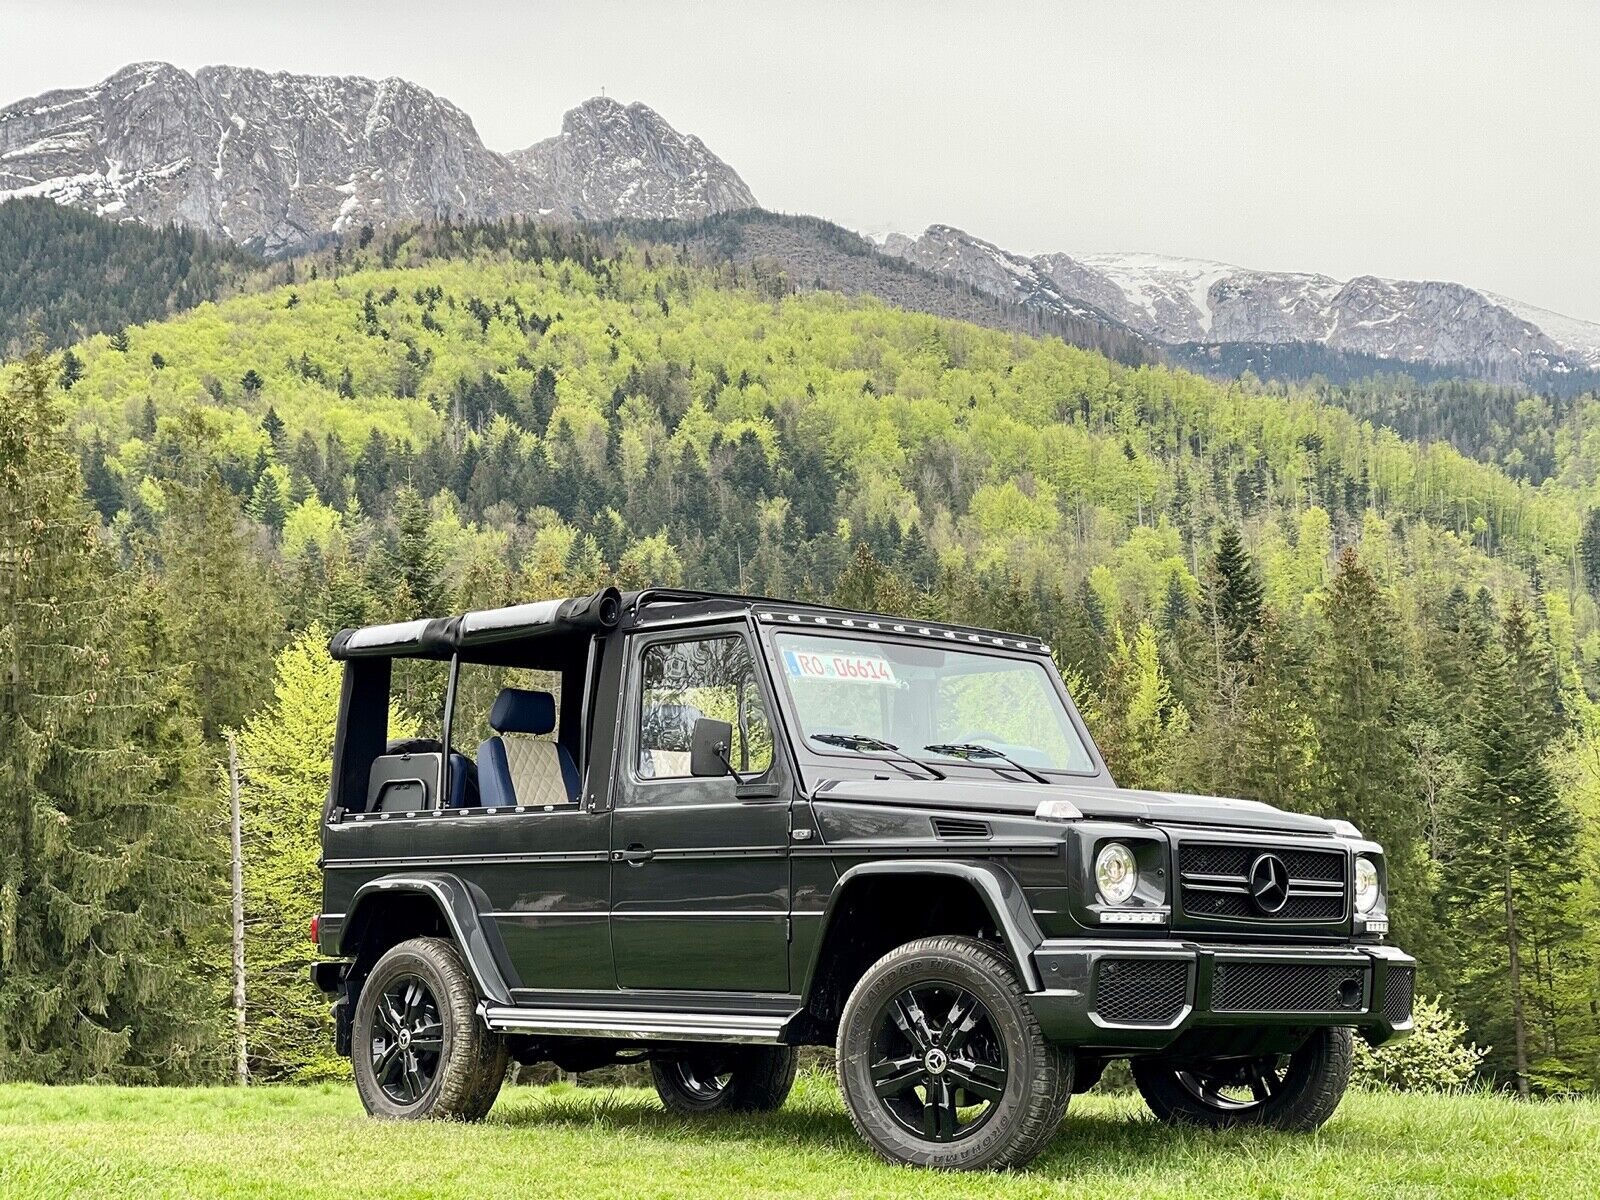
(701, 830)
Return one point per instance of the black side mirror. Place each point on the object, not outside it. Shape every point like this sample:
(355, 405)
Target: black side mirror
(709, 746)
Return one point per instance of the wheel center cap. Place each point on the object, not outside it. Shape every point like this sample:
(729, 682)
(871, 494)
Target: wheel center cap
(405, 1038)
(936, 1060)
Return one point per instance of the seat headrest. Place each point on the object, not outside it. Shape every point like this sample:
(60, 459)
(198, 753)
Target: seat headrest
(668, 726)
(519, 711)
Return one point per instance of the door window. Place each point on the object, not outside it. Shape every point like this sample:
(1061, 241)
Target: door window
(706, 677)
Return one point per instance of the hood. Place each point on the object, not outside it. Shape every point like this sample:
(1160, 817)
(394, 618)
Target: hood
(1123, 804)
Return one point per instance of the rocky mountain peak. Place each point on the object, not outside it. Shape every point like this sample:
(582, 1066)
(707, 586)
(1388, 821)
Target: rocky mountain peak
(1183, 301)
(616, 160)
(279, 161)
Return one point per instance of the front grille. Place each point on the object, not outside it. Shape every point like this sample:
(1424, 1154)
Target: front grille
(1141, 991)
(1398, 993)
(1268, 987)
(1215, 883)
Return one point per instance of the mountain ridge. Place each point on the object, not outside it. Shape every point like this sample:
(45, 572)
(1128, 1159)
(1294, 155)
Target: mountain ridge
(1179, 301)
(280, 162)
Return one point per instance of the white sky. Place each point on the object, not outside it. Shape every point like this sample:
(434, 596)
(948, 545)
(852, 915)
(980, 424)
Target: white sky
(1407, 138)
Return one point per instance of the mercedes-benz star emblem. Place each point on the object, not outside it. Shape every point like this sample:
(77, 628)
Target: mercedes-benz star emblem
(936, 1060)
(1269, 883)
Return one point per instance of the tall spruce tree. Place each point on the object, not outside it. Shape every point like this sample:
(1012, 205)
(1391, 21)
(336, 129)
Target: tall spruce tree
(1518, 854)
(108, 864)
(1236, 599)
(285, 755)
(222, 595)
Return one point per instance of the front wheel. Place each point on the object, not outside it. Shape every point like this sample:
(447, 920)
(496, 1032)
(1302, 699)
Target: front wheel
(1295, 1092)
(942, 1063)
(418, 1049)
(735, 1079)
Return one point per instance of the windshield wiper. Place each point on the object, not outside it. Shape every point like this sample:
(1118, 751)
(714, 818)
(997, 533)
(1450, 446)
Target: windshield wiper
(863, 743)
(967, 751)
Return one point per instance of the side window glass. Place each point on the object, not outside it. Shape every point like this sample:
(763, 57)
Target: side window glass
(684, 681)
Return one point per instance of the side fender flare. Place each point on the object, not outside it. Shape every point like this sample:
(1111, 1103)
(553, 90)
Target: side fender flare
(999, 890)
(454, 902)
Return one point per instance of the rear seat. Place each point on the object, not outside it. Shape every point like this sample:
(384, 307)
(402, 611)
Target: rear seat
(525, 768)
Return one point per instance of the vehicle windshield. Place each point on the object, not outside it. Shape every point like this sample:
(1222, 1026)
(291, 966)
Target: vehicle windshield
(915, 696)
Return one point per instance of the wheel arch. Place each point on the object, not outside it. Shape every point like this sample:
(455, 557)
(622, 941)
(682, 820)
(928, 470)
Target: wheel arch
(953, 896)
(392, 908)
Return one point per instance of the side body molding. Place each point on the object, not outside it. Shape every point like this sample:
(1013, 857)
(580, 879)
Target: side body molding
(454, 901)
(999, 890)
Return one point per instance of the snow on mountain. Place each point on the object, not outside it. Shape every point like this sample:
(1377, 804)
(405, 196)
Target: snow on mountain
(1577, 339)
(279, 161)
(1183, 300)
(985, 266)
(611, 160)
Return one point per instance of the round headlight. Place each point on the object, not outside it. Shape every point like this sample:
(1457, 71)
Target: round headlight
(1366, 884)
(1116, 873)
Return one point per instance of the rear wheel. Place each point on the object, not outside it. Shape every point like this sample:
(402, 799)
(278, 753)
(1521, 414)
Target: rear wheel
(1294, 1092)
(735, 1079)
(942, 1063)
(418, 1049)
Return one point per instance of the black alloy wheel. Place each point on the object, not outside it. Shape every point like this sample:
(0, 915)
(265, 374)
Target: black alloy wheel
(1235, 1085)
(419, 1050)
(938, 1067)
(704, 1085)
(942, 1062)
(407, 1039)
(726, 1079)
(1296, 1092)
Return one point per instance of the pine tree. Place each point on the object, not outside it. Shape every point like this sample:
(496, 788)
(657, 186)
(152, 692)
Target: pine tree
(222, 596)
(267, 504)
(1235, 599)
(272, 425)
(71, 370)
(866, 585)
(1518, 855)
(1589, 552)
(413, 565)
(1142, 723)
(285, 755)
(107, 867)
(101, 484)
(1367, 765)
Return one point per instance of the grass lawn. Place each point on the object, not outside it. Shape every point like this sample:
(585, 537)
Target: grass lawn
(569, 1142)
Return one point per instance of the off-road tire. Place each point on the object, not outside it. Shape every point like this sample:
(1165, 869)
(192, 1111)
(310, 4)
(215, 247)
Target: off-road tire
(1312, 1086)
(1038, 1075)
(753, 1079)
(472, 1062)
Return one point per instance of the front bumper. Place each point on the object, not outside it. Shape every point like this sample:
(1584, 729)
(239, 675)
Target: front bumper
(1141, 996)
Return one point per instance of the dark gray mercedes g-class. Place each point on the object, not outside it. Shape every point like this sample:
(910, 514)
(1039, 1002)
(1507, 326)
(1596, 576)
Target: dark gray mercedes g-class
(702, 830)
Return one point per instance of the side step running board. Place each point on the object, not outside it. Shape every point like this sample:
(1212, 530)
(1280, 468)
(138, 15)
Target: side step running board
(635, 1026)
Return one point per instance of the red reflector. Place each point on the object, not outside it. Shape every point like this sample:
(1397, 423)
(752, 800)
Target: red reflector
(316, 926)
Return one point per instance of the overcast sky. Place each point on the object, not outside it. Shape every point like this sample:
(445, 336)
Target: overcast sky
(1448, 140)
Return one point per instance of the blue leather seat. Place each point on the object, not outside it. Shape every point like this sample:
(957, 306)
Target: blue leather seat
(463, 782)
(527, 769)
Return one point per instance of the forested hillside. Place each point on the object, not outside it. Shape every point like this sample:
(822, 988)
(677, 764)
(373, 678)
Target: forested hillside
(1250, 590)
(65, 274)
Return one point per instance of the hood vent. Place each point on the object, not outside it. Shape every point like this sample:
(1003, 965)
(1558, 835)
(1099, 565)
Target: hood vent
(959, 827)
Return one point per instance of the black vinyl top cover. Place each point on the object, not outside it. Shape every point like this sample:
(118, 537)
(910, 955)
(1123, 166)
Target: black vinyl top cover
(441, 637)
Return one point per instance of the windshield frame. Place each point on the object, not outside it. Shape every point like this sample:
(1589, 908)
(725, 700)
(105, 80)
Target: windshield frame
(816, 759)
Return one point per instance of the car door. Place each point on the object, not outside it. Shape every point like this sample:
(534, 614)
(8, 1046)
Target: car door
(700, 887)
(541, 873)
